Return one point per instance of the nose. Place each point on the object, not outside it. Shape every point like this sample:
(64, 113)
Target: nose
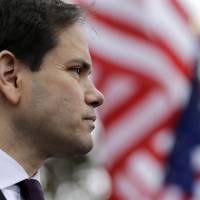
(94, 97)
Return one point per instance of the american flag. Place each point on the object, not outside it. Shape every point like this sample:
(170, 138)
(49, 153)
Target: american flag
(143, 53)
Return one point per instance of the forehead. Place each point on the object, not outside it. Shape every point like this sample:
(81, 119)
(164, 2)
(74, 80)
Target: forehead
(72, 44)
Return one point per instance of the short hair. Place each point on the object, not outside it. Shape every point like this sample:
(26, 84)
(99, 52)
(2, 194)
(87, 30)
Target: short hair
(28, 27)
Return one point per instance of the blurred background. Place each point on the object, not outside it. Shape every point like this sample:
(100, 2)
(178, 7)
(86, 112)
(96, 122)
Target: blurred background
(147, 141)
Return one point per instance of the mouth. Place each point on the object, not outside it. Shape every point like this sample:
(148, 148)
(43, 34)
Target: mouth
(90, 121)
(91, 118)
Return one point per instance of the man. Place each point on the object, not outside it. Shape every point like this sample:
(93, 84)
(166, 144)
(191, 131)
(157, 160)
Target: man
(47, 99)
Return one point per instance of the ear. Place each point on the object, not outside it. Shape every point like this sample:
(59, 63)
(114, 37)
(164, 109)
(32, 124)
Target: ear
(9, 77)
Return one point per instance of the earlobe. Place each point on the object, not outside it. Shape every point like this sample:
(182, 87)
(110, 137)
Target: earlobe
(9, 77)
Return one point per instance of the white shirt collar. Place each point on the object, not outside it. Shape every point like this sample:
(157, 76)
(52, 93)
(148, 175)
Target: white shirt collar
(11, 172)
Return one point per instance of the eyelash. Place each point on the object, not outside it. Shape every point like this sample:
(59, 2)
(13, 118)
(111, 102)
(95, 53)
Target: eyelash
(80, 70)
(77, 69)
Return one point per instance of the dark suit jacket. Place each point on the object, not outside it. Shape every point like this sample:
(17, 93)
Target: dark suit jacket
(2, 197)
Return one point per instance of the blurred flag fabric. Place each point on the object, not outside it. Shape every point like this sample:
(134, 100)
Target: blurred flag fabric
(183, 166)
(143, 53)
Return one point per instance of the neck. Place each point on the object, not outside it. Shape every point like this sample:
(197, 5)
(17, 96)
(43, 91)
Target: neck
(23, 152)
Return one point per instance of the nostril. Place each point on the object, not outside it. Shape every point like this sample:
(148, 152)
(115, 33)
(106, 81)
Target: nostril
(96, 104)
(99, 100)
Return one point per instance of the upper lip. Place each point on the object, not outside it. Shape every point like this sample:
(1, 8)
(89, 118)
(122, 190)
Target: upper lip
(92, 117)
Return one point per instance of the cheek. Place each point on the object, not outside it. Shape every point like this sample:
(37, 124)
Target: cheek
(70, 93)
(65, 96)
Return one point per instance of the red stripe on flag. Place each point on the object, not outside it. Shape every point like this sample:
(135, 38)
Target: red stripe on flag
(115, 195)
(181, 10)
(157, 156)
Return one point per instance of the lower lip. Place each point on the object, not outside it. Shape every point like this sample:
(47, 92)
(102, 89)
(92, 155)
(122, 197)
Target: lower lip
(90, 124)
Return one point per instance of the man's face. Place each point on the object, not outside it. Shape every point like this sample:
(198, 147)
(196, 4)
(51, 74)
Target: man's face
(57, 110)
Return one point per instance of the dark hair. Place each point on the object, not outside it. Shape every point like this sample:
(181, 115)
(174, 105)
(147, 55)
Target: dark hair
(28, 27)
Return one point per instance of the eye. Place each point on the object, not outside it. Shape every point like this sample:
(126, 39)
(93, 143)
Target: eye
(81, 70)
(77, 69)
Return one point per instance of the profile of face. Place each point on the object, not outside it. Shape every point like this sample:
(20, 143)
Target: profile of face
(57, 105)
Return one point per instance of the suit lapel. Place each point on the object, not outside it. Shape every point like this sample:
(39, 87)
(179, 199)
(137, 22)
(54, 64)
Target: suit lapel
(2, 197)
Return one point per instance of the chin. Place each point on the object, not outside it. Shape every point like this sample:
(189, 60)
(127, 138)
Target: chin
(84, 149)
(77, 146)
(84, 144)
(76, 150)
